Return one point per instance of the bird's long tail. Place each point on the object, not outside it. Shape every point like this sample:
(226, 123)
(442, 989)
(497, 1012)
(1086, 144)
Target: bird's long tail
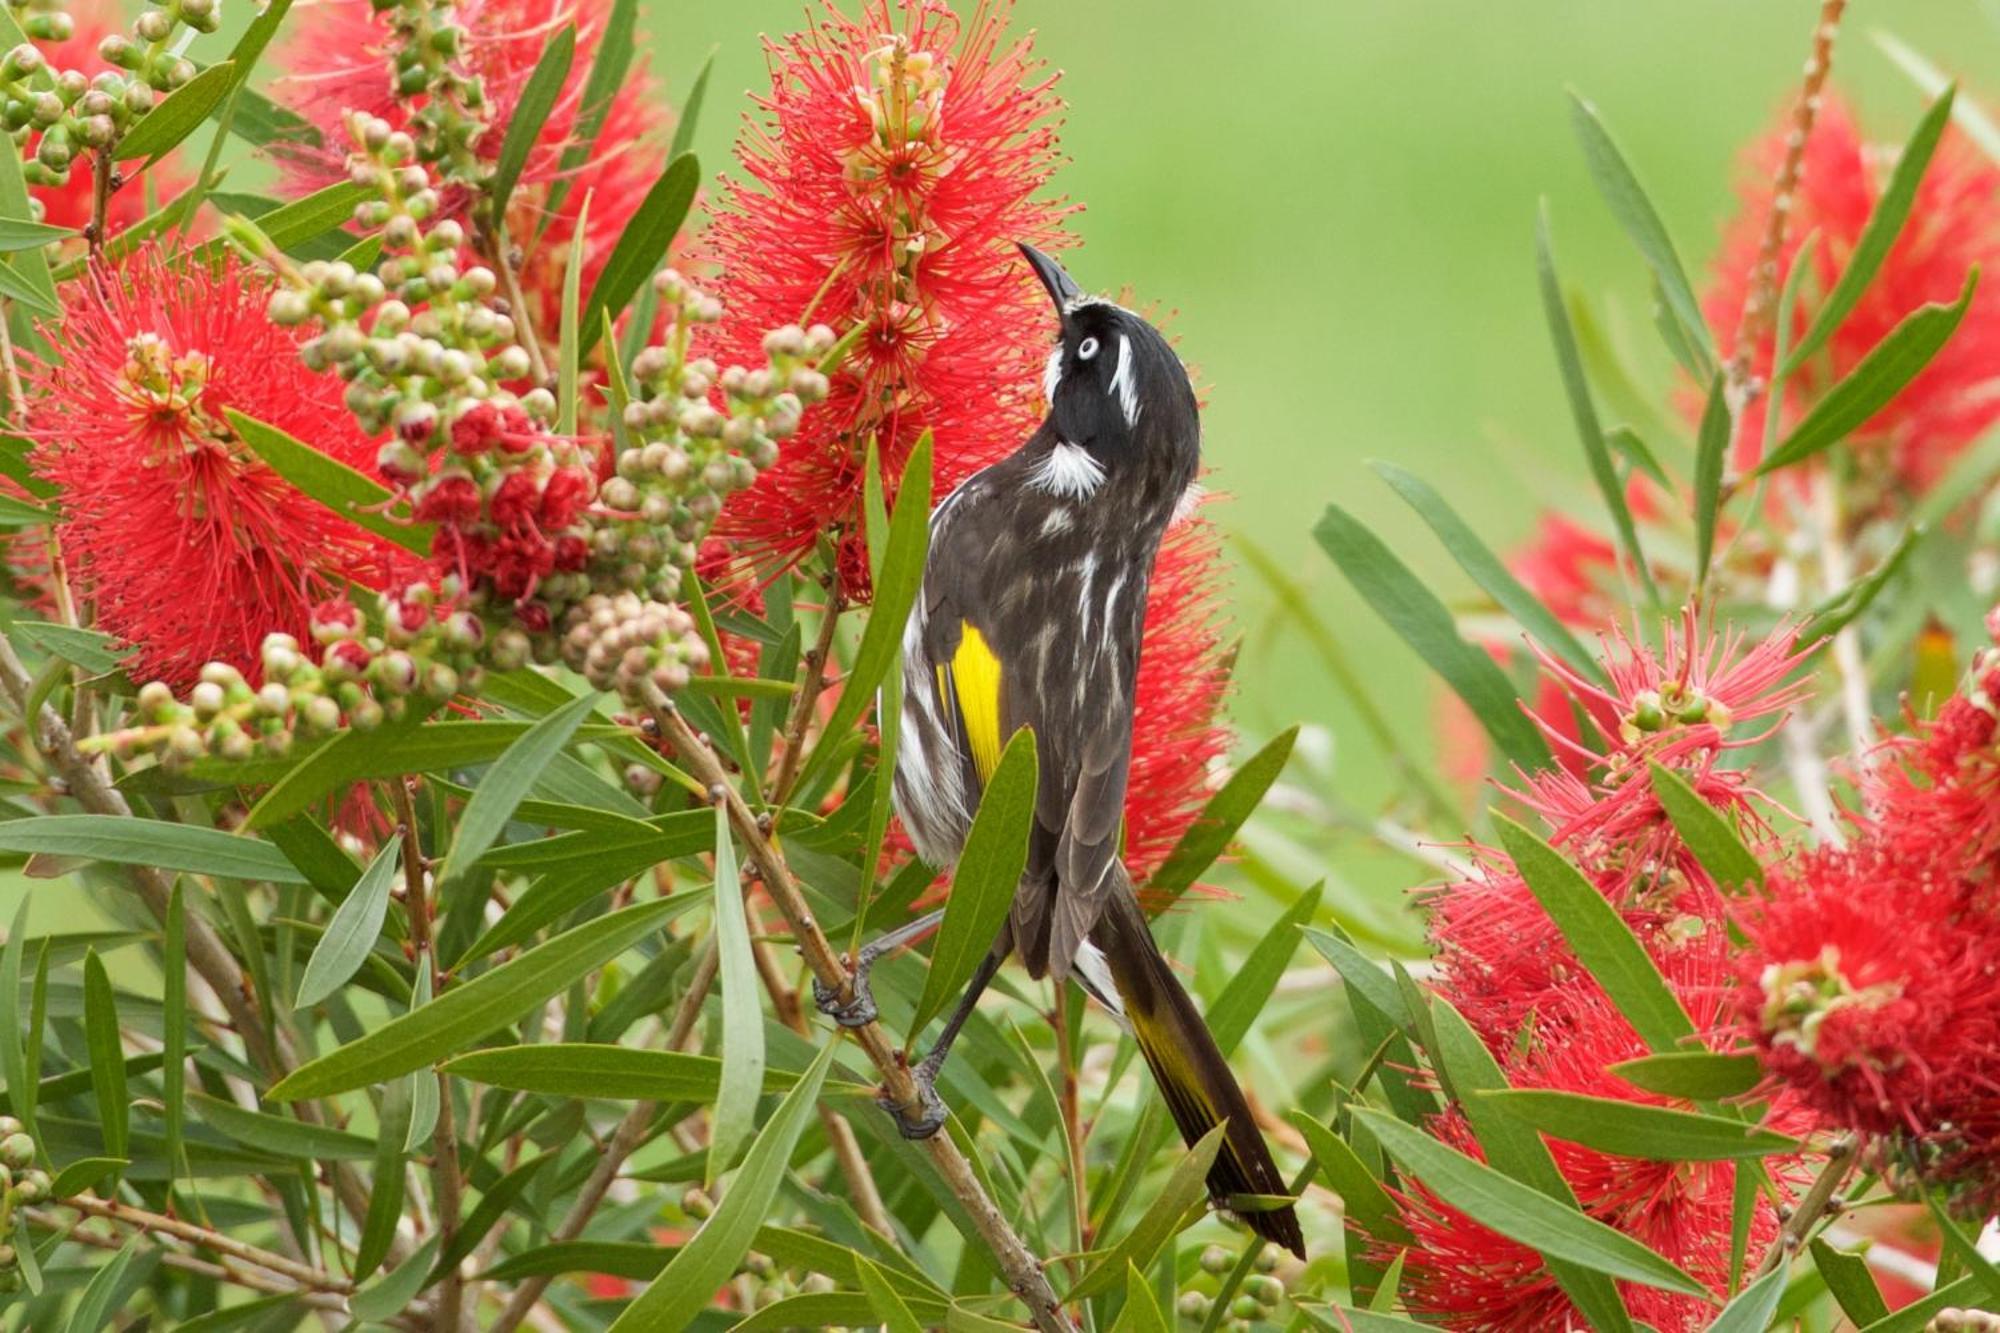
(1200, 1091)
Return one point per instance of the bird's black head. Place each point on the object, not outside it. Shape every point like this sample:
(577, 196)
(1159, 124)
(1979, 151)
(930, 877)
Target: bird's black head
(1114, 385)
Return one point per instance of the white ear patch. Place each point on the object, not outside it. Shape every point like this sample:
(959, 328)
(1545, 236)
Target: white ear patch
(1122, 385)
(1068, 471)
(1052, 373)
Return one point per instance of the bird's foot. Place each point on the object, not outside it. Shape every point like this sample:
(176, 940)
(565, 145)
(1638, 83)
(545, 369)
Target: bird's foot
(929, 1116)
(856, 1012)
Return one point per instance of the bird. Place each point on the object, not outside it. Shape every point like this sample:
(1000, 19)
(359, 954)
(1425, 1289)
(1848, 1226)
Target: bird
(1030, 614)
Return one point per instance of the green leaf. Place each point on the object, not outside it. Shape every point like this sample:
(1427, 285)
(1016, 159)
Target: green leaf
(1711, 453)
(177, 115)
(1520, 1212)
(280, 1136)
(642, 244)
(1633, 1129)
(691, 109)
(607, 75)
(493, 1205)
(1256, 977)
(1965, 1252)
(84, 1173)
(24, 1249)
(1141, 1313)
(1160, 1223)
(260, 122)
(1889, 365)
(1466, 1068)
(1853, 1286)
(244, 56)
(1635, 213)
(392, 1294)
(889, 1306)
(29, 268)
(1707, 832)
(21, 1084)
(99, 1300)
(530, 117)
(1209, 835)
(596, 1069)
(1698, 1076)
(1374, 985)
(1583, 410)
(94, 651)
(472, 1009)
(20, 234)
(1840, 610)
(1476, 559)
(1602, 941)
(20, 514)
(19, 288)
(988, 874)
(1885, 224)
(385, 1192)
(567, 351)
(508, 781)
(1362, 1197)
(351, 934)
(304, 220)
(895, 593)
(1423, 622)
(107, 1056)
(332, 483)
(125, 840)
(690, 1279)
(1753, 1307)
(742, 1011)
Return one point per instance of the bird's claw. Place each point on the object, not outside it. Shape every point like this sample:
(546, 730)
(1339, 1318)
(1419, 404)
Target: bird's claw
(929, 1116)
(853, 1013)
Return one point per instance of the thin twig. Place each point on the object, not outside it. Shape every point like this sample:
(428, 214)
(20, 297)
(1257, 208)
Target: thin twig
(500, 250)
(1018, 1266)
(1818, 1201)
(303, 1275)
(1074, 1129)
(100, 200)
(807, 701)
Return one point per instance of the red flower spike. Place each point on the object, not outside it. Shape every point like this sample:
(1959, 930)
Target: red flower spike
(185, 544)
(339, 57)
(1461, 1275)
(887, 188)
(1953, 225)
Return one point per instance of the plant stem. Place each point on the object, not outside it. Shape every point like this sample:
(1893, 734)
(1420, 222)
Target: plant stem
(1018, 1266)
(100, 200)
(807, 700)
(1840, 1159)
(498, 246)
(304, 1275)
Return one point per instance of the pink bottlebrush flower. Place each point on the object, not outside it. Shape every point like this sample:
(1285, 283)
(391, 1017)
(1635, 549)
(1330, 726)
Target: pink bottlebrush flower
(1953, 225)
(339, 57)
(887, 187)
(182, 541)
(1459, 1274)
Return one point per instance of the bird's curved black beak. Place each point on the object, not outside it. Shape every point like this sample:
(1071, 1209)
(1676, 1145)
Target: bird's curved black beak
(1061, 288)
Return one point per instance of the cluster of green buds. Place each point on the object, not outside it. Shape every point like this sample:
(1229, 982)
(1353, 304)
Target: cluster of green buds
(621, 642)
(448, 103)
(21, 1183)
(419, 340)
(768, 1284)
(74, 112)
(415, 652)
(1256, 1300)
(1963, 1321)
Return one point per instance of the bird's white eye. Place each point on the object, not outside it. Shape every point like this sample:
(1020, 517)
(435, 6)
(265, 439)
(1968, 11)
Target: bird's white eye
(1086, 349)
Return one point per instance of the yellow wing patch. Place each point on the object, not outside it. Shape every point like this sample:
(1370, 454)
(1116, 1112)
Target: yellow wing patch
(973, 678)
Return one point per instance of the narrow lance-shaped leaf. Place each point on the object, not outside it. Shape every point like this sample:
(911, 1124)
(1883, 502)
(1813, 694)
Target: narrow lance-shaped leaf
(888, 1304)
(13, 1054)
(642, 245)
(1158, 1224)
(1853, 1286)
(472, 1009)
(1890, 365)
(385, 1193)
(174, 1025)
(1878, 237)
(530, 117)
(989, 873)
(1521, 1213)
(742, 1011)
(1635, 213)
(1584, 411)
(1753, 1307)
(331, 482)
(568, 363)
(107, 1055)
(1699, 1076)
(1476, 559)
(685, 1286)
(1711, 453)
(594, 1069)
(1634, 1129)
(691, 109)
(1416, 614)
(508, 782)
(1706, 831)
(178, 114)
(356, 925)
(1208, 837)
(123, 840)
(895, 593)
(1602, 941)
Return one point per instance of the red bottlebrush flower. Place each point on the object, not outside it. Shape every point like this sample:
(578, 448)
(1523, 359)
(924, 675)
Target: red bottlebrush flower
(1954, 225)
(340, 57)
(1461, 1275)
(184, 543)
(1571, 569)
(69, 204)
(887, 189)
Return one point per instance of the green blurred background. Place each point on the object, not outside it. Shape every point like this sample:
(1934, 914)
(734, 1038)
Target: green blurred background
(1338, 198)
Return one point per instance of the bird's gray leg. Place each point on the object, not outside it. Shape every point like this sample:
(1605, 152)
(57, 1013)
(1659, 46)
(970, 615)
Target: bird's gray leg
(860, 1011)
(930, 1108)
